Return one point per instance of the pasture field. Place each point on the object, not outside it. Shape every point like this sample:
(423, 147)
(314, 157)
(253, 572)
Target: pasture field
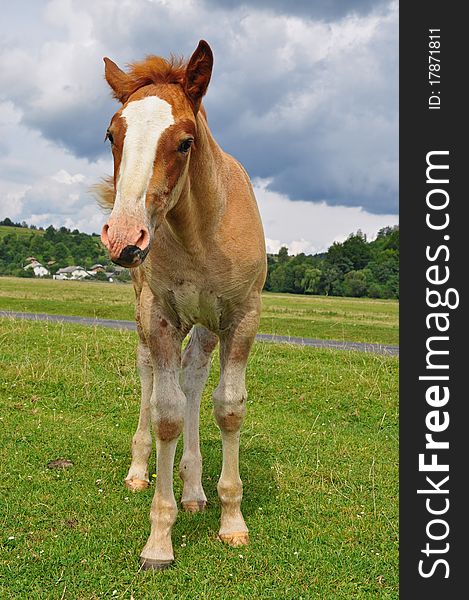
(319, 461)
(343, 319)
(22, 231)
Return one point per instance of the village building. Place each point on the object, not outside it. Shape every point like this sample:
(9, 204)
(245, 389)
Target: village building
(73, 272)
(38, 269)
(96, 269)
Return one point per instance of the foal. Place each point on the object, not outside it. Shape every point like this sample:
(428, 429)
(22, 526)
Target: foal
(185, 221)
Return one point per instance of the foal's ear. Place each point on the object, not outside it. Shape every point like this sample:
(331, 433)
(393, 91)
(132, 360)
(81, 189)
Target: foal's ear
(198, 72)
(117, 79)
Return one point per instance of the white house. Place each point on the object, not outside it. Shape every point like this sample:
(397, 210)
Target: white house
(75, 272)
(38, 269)
(96, 269)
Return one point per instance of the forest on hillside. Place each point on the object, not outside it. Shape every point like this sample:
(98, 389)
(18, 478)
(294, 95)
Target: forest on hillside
(356, 267)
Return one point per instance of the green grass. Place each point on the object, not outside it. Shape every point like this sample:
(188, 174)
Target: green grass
(318, 460)
(323, 317)
(345, 319)
(23, 231)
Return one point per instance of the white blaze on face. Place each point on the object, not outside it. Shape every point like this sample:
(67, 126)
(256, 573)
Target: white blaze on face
(146, 120)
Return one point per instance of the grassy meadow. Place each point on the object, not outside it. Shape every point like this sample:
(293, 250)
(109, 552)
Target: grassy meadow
(334, 318)
(23, 231)
(318, 460)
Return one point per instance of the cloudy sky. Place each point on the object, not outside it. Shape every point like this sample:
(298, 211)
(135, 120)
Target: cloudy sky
(304, 94)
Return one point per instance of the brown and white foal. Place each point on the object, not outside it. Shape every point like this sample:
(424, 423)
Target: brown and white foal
(185, 220)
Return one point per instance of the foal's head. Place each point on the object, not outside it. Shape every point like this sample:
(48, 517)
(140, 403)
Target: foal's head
(151, 137)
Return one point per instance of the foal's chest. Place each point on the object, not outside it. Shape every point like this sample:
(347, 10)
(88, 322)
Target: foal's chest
(189, 304)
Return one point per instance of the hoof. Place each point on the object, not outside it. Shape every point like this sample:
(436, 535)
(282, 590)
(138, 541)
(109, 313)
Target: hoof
(238, 538)
(150, 564)
(136, 485)
(193, 506)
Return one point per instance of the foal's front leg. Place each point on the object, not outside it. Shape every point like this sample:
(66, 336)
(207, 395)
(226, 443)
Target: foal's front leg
(194, 373)
(229, 401)
(137, 477)
(167, 405)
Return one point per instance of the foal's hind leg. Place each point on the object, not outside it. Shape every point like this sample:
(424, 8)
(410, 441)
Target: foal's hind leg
(137, 477)
(195, 369)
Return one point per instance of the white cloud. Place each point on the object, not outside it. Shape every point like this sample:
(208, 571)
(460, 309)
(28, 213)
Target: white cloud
(35, 190)
(63, 177)
(308, 106)
(311, 227)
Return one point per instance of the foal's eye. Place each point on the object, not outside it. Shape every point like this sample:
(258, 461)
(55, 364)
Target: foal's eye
(109, 137)
(185, 145)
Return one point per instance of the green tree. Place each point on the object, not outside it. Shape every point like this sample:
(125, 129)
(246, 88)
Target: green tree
(283, 255)
(101, 276)
(278, 278)
(37, 246)
(337, 257)
(331, 277)
(311, 280)
(355, 283)
(50, 234)
(61, 251)
(357, 250)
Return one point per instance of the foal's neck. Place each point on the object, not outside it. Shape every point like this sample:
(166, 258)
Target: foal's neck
(195, 216)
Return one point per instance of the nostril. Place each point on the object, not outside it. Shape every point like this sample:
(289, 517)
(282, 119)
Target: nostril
(143, 239)
(104, 235)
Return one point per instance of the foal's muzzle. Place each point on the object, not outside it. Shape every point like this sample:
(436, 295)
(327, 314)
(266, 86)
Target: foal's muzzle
(128, 242)
(131, 256)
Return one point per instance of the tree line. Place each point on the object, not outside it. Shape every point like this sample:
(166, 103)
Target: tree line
(355, 267)
(53, 248)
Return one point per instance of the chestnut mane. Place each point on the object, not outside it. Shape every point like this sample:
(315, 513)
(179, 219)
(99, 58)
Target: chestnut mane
(153, 69)
(103, 193)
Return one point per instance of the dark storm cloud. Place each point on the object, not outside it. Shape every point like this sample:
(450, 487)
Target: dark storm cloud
(309, 105)
(79, 130)
(312, 9)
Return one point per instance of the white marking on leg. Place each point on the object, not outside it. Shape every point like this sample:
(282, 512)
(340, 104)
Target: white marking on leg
(229, 400)
(167, 414)
(163, 512)
(142, 441)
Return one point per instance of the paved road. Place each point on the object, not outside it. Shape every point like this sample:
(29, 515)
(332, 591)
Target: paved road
(263, 337)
